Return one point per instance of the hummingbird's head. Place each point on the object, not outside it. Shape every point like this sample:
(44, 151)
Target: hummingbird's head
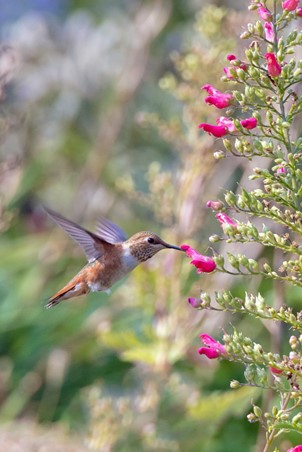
(144, 245)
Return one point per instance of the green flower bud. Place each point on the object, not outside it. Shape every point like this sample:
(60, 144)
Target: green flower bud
(257, 411)
(267, 268)
(234, 384)
(227, 144)
(214, 238)
(219, 260)
(259, 28)
(245, 35)
(233, 261)
(219, 155)
(296, 419)
(293, 340)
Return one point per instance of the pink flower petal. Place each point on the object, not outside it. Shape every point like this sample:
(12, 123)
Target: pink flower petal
(220, 102)
(249, 123)
(215, 205)
(290, 5)
(210, 353)
(273, 68)
(226, 122)
(194, 302)
(269, 32)
(231, 57)
(275, 371)
(264, 13)
(203, 264)
(216, 131)
(299, 12)
(225, 219)
(213, 348)
(216, 97)
(281, 170)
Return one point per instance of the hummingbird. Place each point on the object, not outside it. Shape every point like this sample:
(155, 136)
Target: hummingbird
(109, 253)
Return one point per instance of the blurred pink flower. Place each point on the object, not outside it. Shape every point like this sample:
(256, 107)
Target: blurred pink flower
(264, 13)
(224, 219)
(299, 12)
(281, 170)
(231, 57)
(269, 32)
(275, 371)
(295, 449)
(249, 123)
(274, 69)
(290, 5)
(217, 131)
(203, 264)
(212, 349)
(226, 122)
(217, 98)
(215, 205)
(194, 302)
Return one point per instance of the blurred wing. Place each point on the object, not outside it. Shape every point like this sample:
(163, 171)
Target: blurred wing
(90, 243)
(109, 231)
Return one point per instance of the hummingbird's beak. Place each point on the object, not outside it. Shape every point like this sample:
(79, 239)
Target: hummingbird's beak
(173, 247)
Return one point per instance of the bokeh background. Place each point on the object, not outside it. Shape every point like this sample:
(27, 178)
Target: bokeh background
(100, 103)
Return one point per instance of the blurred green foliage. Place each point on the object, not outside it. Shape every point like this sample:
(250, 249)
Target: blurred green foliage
(96, 118)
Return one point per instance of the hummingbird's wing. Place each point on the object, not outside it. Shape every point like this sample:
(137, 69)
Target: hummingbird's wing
(91, 244)
(109, 231)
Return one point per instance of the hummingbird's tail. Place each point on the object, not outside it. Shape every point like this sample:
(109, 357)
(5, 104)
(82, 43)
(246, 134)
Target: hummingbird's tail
(72, 289)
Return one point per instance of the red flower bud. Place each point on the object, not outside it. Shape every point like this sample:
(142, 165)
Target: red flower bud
(249, 123)
(273, 68)
(264, 13)
(290, 5)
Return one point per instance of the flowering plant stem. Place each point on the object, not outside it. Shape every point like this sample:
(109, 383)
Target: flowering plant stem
(266, 81)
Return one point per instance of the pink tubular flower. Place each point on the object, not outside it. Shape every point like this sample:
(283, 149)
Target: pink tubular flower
(231, 57)
(264, 13)
(212, 349)
(224, 219)
(203, 264)
(249, 123)
(269, 32)
(217, 98)
(216, 131)
(226, 122)
(290, 5)
(295, 449)
(273, 68)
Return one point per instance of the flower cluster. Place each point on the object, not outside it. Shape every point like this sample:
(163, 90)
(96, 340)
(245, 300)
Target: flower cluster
(221, 100)
(266, 103)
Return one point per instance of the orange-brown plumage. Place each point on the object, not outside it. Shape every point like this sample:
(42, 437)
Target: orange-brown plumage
(110, 256)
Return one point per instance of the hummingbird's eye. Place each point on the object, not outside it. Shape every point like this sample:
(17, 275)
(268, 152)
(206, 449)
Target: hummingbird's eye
(150, 240)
